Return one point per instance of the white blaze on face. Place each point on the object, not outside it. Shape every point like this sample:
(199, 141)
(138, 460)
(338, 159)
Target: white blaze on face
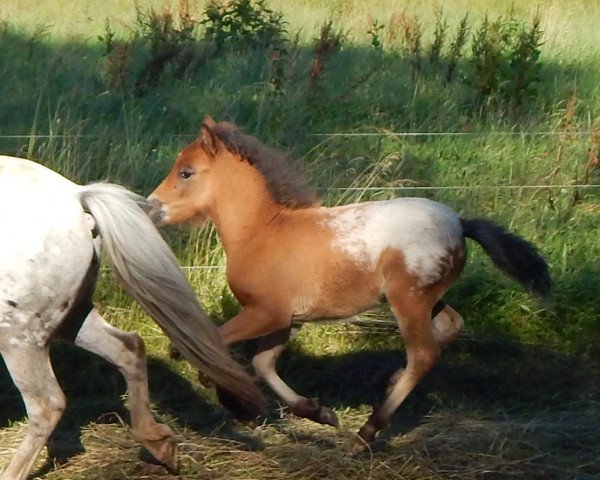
(422, 230)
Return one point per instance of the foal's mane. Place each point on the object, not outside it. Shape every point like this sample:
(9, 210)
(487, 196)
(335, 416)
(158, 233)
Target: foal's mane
(286, 185)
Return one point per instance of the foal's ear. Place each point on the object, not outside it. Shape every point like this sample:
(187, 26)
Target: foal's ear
(208, 140)
(208, 121)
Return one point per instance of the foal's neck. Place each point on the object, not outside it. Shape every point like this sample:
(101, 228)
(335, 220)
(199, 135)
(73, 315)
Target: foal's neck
(243, 208)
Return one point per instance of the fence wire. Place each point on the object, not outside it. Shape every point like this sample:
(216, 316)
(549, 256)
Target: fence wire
(383, 133)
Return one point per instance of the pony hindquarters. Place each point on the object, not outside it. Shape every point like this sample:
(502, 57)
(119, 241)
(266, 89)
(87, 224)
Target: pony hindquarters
(45, 256)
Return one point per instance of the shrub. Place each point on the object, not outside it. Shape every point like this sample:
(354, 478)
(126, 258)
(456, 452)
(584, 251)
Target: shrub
(328, 42)
(243, 23)
(504, 66)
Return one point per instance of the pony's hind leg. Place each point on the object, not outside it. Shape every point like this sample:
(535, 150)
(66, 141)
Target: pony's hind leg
(127, 352)
(264, 361)
(31, 371)
(422, 350)
(447, 324)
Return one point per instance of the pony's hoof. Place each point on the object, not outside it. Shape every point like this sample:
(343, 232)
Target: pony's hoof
(165, 451)
(366, 434)
(328, 417)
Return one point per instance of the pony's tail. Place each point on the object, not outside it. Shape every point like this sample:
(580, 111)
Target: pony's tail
(512, 254)
(150, 273)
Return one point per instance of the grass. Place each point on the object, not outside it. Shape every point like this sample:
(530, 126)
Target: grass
(517, 396)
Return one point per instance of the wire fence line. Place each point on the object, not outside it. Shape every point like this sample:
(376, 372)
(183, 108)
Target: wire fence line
(383, 133)
(376, 134)
(370, 189)
(461, 187)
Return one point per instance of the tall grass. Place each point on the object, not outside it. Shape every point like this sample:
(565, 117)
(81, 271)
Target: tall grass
(110, 92)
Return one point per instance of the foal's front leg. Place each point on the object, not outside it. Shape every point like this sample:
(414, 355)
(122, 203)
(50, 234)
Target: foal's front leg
(269, 349)
(253, 322)
(126, 351)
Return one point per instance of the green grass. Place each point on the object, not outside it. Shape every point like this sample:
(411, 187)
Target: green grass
(516, 396)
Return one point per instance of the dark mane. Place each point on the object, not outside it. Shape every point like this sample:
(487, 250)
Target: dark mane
(286, 185)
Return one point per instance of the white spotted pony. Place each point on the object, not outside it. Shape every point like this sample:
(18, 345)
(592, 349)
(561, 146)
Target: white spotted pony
(49, 258)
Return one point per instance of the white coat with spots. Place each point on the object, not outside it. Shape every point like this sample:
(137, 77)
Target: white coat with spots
(49, 260)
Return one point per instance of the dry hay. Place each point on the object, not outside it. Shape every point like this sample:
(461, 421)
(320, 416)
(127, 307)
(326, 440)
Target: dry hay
(489, 411)
(563, 443)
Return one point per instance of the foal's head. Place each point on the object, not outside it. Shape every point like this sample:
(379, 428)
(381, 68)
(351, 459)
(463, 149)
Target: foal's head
(205, 169)
(187, 190)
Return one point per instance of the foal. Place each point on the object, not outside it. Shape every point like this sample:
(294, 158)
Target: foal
(291, 260)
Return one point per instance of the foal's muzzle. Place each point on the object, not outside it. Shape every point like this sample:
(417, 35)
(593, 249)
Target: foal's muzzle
(157, 212)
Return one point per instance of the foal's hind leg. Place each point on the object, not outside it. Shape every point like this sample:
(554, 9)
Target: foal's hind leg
(447, 324)
(127, 352)
(30, 369)
(422, 350)
(269, 349)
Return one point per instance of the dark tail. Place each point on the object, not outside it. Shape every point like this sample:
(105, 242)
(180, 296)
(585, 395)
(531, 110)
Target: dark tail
(149, 272)
(511, 254)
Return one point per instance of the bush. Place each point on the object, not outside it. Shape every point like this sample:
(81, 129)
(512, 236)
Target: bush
(504, 66)
(243, 23)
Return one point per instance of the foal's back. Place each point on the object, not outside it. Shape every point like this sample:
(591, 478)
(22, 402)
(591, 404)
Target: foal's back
(335, 262)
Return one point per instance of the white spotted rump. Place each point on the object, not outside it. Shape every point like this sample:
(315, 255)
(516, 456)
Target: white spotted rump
(423, 230)
(49, 229)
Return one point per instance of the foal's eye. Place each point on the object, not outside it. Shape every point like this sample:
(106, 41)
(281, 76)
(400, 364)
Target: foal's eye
(186, 174)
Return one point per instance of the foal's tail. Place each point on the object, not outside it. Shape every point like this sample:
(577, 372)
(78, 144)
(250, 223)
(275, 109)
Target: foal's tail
(149, 272)
(512, 254)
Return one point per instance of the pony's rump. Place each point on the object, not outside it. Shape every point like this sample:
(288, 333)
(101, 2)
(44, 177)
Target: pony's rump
(512, 254)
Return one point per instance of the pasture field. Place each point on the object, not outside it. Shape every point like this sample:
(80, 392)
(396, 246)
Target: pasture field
(109, 90)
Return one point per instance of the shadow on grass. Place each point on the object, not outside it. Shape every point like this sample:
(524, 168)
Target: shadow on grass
(95, 389)
(475, 377)
(485, 374)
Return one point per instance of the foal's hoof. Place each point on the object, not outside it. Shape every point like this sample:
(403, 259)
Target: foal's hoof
(328, 417)
(310, 409)
(166, 452)
(367, 434)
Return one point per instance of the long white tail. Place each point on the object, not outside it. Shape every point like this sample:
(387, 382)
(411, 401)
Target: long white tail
(150, 273)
